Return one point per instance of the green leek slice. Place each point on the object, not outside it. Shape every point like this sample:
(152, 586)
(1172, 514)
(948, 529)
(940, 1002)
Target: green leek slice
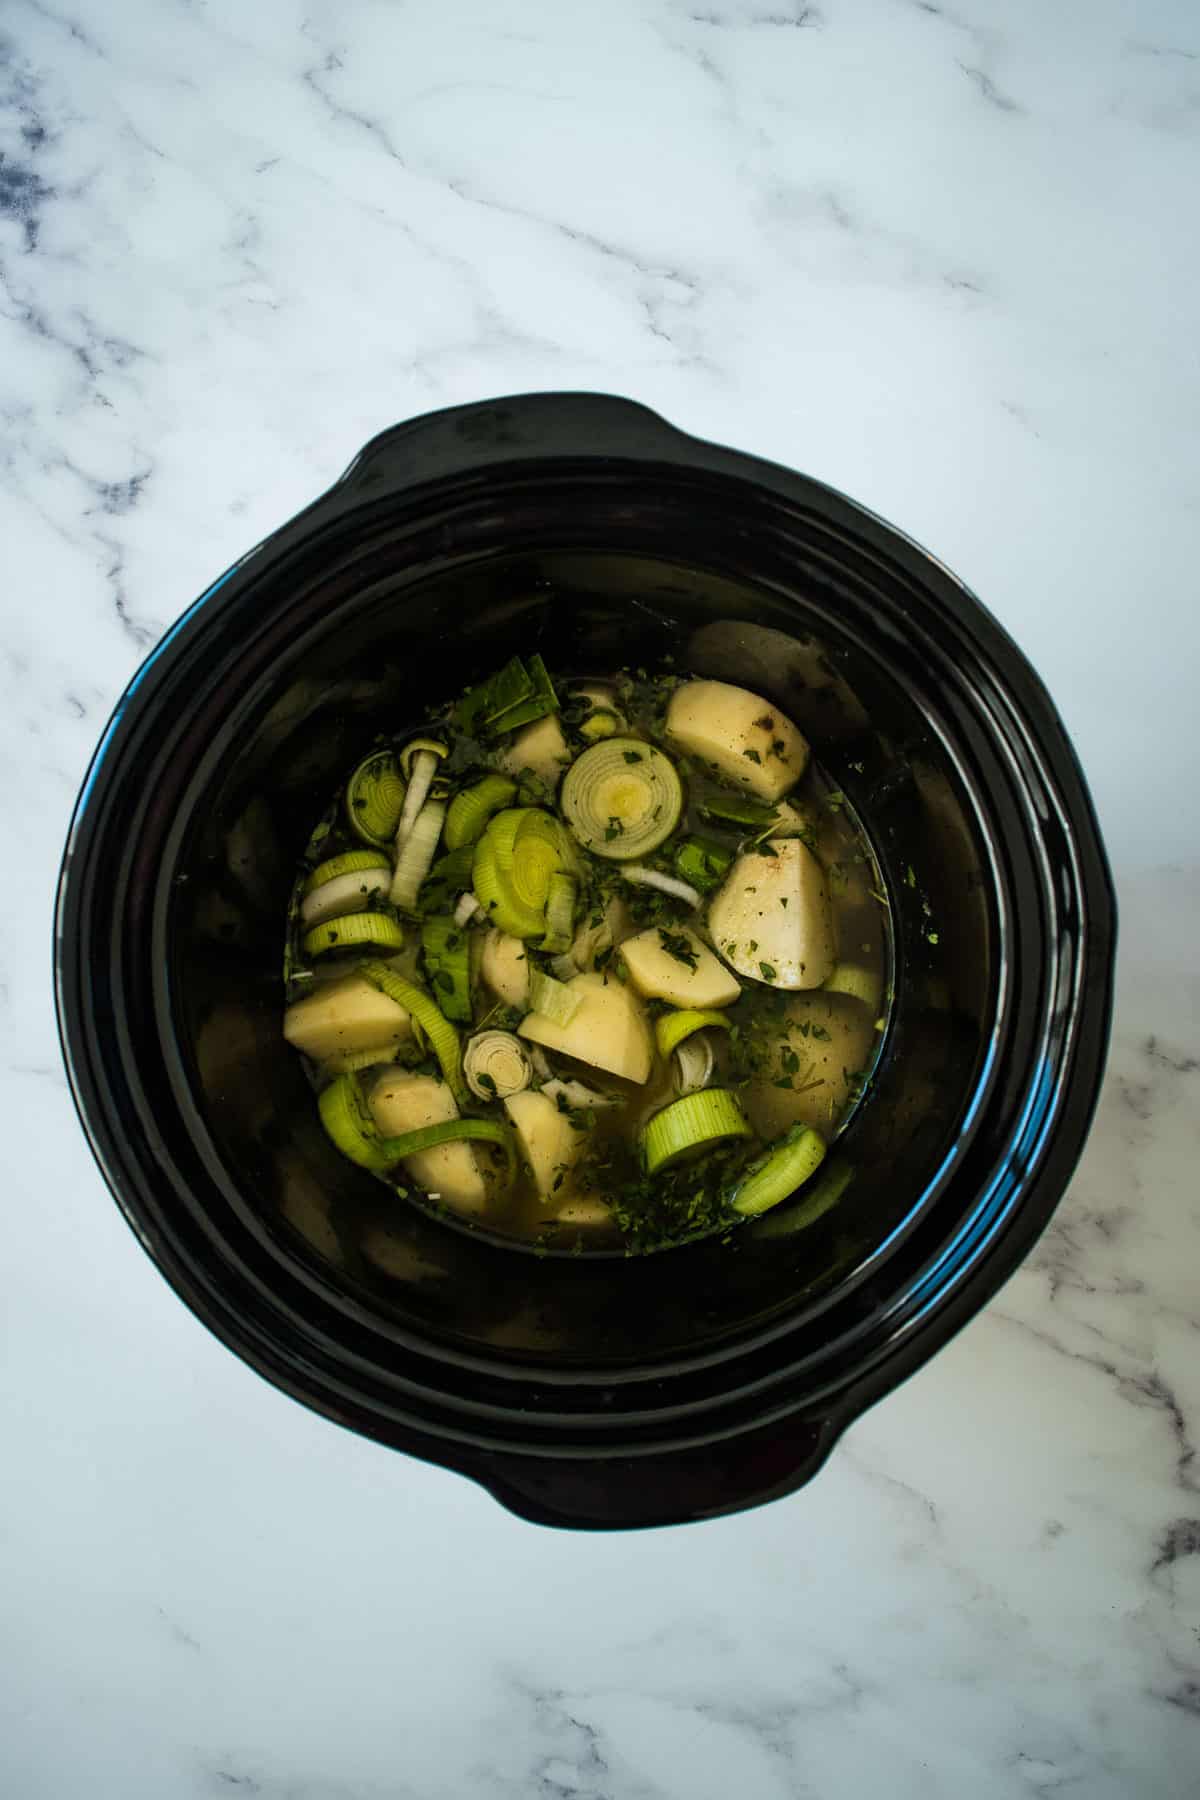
(690, 1126)
(347, 1119)
(671, 1029)
(374, 799)
(349, 863)
(448, 966)
(732, 809)
(353, 931)
(424, 1012)
(560, 914)
(622, 798)
(470, 811)
(703, 862)
(784, 1168)
(554, 1000)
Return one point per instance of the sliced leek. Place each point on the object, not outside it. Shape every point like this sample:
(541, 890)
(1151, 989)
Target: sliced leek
(447, 966)
(418, 763)
(344, 884)
(416, 854)
(702, 862)
(601, 722)
(560, 914)
(622, 798)
(554, 1000)
(353, 931)
(496, 1064)
(689, 1127)
(693, 1064)
(666, 884)
(780, 1172)
(350, 1127)
(441, 1035)
(351, 862)
(374, 799)
(673, 1028)
(516, 859)
(470, 811)
(577, 1094)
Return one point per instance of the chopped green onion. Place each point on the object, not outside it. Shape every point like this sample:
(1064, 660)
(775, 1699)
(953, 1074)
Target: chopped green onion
(353, 931)
(470, 811)
(785, 1167)
(440, 1034)
(374, 799)
(416, 854)
(622, 798)
(674, 1027)
(447, 966)
(690, 1126)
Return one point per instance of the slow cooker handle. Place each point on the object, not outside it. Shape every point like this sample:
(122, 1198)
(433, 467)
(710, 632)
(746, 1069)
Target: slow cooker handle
(491, 432)
(669, 1489)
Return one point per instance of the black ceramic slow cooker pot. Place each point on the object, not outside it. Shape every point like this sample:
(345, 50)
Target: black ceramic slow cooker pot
(587, 1391)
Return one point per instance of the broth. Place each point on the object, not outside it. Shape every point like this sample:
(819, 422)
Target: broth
(624, 980)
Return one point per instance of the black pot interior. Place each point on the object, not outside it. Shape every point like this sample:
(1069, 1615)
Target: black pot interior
(362, 641)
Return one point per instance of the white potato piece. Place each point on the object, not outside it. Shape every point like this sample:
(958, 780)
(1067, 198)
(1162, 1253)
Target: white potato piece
(541, 748)
(343, 1016)
(585, 1214)
(658, 974)
(504, 967)
(609, 1029)
(403, 1102)
(549, 1142)
(742, 737)
(772, 920)
(843, 1044)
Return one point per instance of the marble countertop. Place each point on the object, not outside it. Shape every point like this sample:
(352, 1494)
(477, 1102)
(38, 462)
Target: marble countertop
(941, 255)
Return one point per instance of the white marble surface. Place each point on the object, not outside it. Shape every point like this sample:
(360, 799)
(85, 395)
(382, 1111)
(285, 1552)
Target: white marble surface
(942, 255)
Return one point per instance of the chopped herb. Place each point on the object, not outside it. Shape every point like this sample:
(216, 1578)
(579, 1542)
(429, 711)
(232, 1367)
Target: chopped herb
(766, 723)
(768, 971)
(819, 1032)
(680, 947)
(632, 756)
(485, 1081)
(613, 829)
(753, 755)
(783, 900)
(777, 748)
